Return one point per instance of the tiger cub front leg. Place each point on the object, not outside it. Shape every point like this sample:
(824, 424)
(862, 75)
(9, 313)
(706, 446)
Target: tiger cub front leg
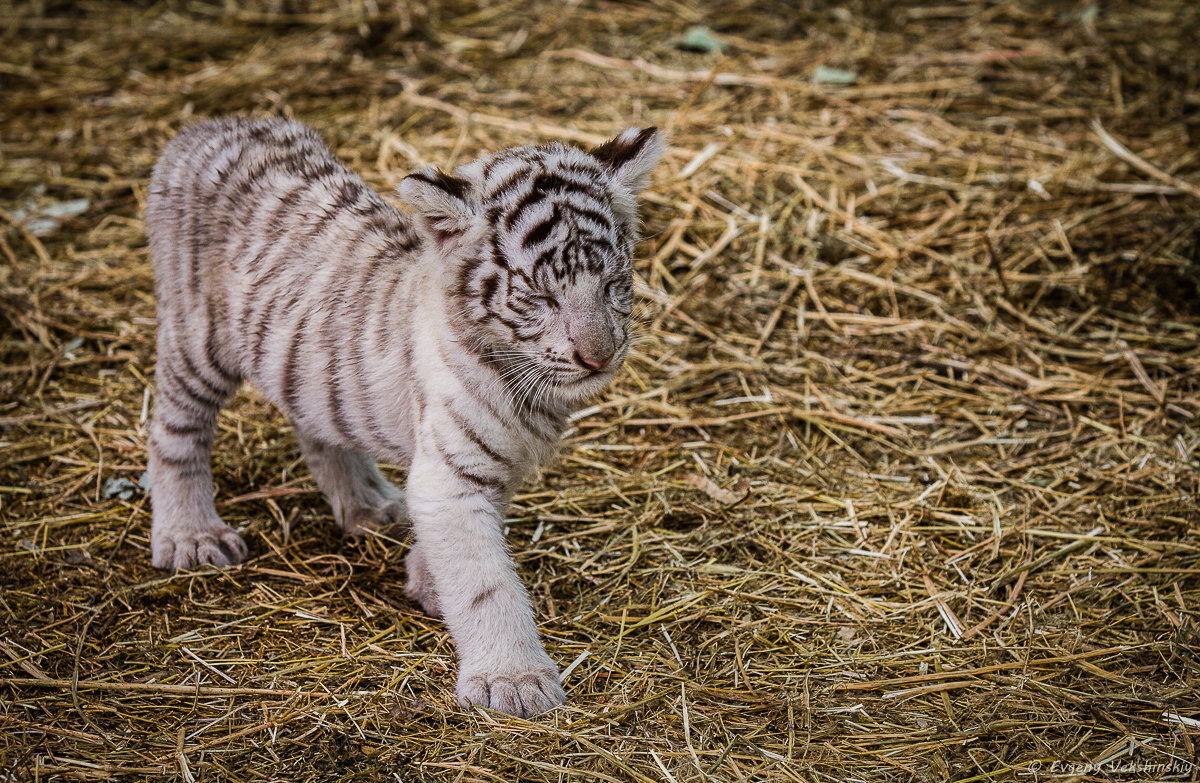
(458, 523)
(185, 530)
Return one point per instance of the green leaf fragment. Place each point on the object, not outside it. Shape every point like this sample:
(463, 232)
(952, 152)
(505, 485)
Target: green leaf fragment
(823, 74)
(700, 39)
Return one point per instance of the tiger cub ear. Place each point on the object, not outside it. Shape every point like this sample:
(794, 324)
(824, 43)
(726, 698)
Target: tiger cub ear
(442, 203)
(630, 157)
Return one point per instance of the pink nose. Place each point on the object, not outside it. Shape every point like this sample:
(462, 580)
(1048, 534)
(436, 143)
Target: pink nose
(594, 363)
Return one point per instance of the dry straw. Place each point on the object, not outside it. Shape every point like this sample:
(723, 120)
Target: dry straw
(900, 482)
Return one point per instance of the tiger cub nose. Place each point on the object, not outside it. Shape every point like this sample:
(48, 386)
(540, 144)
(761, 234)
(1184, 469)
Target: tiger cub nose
(592, 359)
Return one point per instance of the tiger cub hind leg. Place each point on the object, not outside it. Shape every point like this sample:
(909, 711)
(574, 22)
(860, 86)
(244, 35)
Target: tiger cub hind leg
(420, 586)
(363, 500)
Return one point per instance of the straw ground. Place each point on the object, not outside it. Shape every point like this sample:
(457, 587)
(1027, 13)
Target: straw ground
(899, 484)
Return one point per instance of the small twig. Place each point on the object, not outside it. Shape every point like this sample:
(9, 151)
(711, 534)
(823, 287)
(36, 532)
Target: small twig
(25, 418)
(1079, 543)
(33, 241)
(1122, 152)
(1139, 370)
(1012, 599)
(164, 689)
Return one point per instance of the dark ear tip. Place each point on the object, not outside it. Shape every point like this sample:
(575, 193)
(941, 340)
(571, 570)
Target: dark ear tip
(649, 134)
(454, 186)
(617, 151)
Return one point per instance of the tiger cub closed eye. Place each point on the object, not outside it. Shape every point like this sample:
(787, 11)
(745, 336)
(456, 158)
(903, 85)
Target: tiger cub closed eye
(455, 340)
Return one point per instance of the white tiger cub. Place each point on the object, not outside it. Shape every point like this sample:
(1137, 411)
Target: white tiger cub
(455, 340)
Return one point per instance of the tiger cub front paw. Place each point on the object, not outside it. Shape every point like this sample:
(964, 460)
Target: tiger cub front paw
(523, 691)
(194, 544)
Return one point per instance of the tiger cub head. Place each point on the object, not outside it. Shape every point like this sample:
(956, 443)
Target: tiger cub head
(536, 246)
